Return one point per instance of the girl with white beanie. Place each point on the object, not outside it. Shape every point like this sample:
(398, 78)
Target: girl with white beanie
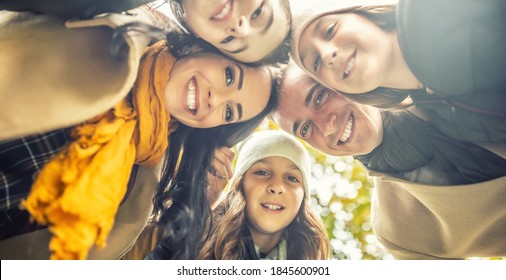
(266, 214)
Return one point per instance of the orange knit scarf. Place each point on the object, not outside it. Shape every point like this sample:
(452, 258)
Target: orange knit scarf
(79, 191)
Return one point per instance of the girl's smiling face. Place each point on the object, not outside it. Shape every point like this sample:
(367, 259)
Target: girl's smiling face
(207, 90)
(246, 30)
(347, 52)
(274, 191)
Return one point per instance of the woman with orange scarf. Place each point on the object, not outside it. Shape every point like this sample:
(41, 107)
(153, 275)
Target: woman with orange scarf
(78, 192)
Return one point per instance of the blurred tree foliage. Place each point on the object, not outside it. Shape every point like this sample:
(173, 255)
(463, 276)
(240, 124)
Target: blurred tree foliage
(341, 193)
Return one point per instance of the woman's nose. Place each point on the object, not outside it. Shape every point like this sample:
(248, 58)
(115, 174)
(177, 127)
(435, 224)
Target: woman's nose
(215, 99)
(239, 27)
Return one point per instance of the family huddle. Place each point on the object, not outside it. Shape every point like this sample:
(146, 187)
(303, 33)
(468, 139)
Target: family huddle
(118, 122)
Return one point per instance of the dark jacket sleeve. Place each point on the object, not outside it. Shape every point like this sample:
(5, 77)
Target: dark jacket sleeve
(455, 47)
(74, 8)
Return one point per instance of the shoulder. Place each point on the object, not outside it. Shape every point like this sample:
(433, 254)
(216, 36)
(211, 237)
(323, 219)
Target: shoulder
(418, 221)
(77, 78)
(436, 38)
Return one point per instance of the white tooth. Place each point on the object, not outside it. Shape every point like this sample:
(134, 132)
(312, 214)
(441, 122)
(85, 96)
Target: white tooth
(224, 11)
(350, 65)
(347, 130)
(272, 207)
(190, 97)
(345, 136)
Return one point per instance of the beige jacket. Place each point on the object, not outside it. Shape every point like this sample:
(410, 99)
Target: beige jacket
(415, 221)
(57, 74)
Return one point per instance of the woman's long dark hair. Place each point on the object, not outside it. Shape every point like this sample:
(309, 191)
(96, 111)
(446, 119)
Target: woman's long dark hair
(181, 206)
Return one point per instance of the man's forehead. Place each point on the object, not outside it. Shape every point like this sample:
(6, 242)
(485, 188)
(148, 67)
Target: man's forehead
(290, 109)
(284, 117)
(292, 100)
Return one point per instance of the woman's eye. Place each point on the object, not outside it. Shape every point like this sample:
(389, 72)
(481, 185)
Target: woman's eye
(229, 114)
(330, 31)
(293, 179)
(227, 40)
(320, 99)
(257, 12)
(229, 75)
(316, 64)
(305, 129)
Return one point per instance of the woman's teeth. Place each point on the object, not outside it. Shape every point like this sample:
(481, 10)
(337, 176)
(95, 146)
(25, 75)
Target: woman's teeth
(349, 67)
(347, 131)
(224, 11)
(190, 96)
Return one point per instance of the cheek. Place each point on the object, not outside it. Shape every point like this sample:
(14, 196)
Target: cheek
(327, 77)
(249, 189)
(213, 35)
(320, 143)
(250, 213)
(297, 201)
(210, 121)
(298, 197)
(205, 29)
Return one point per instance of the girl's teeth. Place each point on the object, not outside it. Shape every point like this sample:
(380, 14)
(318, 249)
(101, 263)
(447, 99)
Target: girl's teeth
(350, 65)
(190, 96)
(272, 207)
(347, 131)
(224, 11)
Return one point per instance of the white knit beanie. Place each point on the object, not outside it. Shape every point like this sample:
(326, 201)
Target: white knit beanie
(270, 143)
(306, 11)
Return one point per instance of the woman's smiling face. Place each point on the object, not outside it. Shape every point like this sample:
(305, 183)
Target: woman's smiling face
(246, 30)
(347, 52)
(207, 90)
